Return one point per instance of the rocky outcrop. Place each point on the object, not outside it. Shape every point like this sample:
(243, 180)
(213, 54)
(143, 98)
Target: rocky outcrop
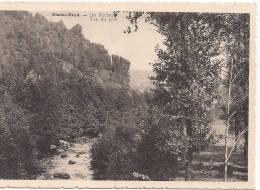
(115, 69)
(33, 40)
(40, 19)
(33, 76)
(77, 29)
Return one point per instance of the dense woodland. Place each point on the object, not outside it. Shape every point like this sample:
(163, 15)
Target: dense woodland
(55, 84)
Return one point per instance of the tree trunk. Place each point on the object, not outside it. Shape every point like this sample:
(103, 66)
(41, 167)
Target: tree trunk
(226, 150)
(246, 141)
(188, 122)
(236, 127)
(229, 117)
(188, 164)
(246, 147)
(189, 151)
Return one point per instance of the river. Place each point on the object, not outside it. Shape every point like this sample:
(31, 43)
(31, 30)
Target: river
(79, 153)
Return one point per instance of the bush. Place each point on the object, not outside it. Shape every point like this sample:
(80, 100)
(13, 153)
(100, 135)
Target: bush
(162, 147)
(113, 156)
(155, 150)
(17, 152)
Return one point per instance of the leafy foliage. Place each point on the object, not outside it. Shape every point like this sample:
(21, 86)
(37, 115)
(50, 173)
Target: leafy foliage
(54, 85)
(17, 147)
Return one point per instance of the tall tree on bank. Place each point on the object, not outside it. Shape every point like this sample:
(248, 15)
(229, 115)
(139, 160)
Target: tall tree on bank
(187, 74)
(235, 90)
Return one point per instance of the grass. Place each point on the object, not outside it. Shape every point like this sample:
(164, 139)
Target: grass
(206, 165)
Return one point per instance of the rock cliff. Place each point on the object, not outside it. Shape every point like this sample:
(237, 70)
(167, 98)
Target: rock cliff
(27, 40)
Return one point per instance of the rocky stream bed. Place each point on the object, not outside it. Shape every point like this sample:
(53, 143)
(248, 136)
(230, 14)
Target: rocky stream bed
(73, 163)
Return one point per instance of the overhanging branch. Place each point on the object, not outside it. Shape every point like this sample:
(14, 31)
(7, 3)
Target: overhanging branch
(243, 132)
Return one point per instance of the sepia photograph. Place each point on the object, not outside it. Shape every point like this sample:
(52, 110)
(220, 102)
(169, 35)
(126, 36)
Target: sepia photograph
(123, 95)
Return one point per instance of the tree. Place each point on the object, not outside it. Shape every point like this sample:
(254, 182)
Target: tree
(17, 152)
(161, 151)
(187, 74)
(114, 154)
(235, 84)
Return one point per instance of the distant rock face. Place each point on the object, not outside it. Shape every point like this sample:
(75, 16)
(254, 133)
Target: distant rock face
(116, 70)
(34, 40)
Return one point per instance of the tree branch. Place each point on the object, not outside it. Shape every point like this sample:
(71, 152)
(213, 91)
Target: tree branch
(231, 116)
(241, 144)
(241, 69)
(245, 130)
(241, 99)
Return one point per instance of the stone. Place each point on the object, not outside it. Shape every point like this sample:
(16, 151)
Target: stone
(61, 175)
(32, 76)
(82, 152)
(115, 59)
(79, 175)
(64, 156)
(53, 147)
(62, 142)
(72, 162)
(105, 57)
(60, 150)
(124, 64)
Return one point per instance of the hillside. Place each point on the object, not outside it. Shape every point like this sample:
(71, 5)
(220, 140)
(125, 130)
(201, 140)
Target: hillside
(55, 84)
(34, 37)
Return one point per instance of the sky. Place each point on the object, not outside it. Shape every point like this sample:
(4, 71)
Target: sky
(138, 47)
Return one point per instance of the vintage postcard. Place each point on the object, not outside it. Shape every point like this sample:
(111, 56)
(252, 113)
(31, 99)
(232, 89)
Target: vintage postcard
(127, 95)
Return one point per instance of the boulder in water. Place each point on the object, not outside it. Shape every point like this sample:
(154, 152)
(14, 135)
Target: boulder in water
(64, 156)
(72, 162)
(53, 147)
(60, 150)
(79, 175)
(61, 175)
(82, 152)
(65, 143)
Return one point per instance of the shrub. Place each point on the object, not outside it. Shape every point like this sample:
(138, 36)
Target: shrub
(113, 156)
(17, 152)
